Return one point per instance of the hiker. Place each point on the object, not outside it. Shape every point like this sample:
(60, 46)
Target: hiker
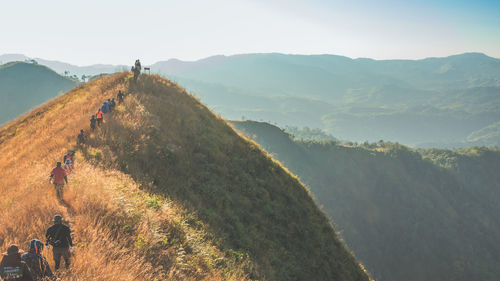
(119, 96)
(59, 237)
(12, 268)
(69, 155)
(36, 262)
(58, 176)
(80, 139)
(92, 122)
(99, 117)
(68, 166)
(136, 69)
(112, 104)
(138, 65)
(105, 107)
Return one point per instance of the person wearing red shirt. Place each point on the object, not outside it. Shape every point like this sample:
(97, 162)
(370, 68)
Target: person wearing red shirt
(58, 177)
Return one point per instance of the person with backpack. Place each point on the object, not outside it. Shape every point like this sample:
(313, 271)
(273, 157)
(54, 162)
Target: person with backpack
(120, 96)
(69, 155)
(58, 177)
(12, 267)
(59, 237)
(68, 166)
(105, 107)
(93, 122)
(80, 139)
(112, 104)
(99, 117)
(36, 262)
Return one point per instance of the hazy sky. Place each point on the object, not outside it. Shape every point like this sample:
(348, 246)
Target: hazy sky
(112, 31)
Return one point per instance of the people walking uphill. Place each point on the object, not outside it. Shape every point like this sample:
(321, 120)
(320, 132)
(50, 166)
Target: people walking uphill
(59, 237)
(80, 139)
(119, 96)
(59, 177)
(70, 154)
(12, 268)
(105, 107)
(99, 117)
(36, 262)
(111, 103)
(93, 122)
(68, 166)
(136, 69)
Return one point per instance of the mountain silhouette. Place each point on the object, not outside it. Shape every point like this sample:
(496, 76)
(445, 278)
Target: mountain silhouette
(24, 85)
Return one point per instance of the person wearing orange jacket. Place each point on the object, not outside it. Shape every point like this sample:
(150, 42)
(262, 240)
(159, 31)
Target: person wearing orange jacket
(99, 116)
(58, 177)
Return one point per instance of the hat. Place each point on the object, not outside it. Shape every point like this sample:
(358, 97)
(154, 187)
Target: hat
(57, 219)
(13, 250)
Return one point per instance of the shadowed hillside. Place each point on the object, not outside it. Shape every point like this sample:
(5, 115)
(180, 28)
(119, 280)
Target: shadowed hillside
(406, 214)
(165, 190)
(24, 86)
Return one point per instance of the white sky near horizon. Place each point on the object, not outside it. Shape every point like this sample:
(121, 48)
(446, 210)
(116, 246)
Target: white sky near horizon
(107, 31)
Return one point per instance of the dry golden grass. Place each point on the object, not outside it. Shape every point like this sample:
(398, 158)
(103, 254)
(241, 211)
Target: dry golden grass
(121, 232)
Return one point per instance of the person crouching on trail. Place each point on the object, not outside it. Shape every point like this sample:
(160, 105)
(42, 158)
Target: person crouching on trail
(58, 176)
(59, 237)
(12, 268)
(36, 262)
(93, 122)
(99, 116)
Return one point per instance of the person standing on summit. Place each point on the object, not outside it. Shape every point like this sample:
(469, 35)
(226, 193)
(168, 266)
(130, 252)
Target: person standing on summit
(59, 237)
(58, 177)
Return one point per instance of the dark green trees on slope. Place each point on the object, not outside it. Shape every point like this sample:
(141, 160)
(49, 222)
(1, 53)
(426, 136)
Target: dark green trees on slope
(24, 86)
(407, 215)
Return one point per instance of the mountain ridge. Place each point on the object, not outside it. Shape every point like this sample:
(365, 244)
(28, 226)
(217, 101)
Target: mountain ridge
(159, 154)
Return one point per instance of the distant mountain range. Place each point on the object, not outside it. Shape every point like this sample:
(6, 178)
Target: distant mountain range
(61, 67)
(435, 102)
(24, 86)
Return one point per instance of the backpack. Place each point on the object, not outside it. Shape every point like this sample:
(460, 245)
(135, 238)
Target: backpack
(35, 264)
(11, 272)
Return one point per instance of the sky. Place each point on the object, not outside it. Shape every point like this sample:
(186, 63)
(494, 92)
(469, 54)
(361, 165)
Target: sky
(118, 32)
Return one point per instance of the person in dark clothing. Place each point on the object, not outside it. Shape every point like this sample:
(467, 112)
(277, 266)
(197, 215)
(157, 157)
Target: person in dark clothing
(120, 96)
(12, 268)
(80, 139)
(93, 122)
(36, 262)
(59, 236)
(112, 104)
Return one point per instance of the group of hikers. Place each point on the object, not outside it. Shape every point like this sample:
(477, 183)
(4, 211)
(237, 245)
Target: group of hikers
(136, 69)
(98, 118)
(32, 265)
(17, 265)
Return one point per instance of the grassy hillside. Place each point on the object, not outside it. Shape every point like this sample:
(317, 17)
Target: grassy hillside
(165, 190)
(24, 86)
(406, 214)
(435, 101)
